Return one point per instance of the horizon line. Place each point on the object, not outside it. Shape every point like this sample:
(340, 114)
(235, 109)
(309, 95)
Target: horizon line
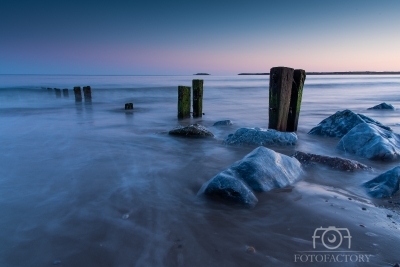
(207, 74)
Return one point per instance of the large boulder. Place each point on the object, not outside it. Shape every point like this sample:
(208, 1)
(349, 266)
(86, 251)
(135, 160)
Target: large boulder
(340, 123)
(332, 162)
(383, 106)
(193, 130)
(261, 170)
(371, 142)
(384, 185)
(261, 137)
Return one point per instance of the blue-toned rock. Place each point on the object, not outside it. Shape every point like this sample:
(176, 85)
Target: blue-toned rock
(260, 137)
(264, 169)
(371, 142)
(383, 106)
(384, 185)
(226, 185)
(223, 123)
(340, 123)
(261, 170)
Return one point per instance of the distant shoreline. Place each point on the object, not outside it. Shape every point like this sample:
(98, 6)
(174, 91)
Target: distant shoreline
(339, 73)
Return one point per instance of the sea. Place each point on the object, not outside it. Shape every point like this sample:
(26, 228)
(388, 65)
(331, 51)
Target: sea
(91, 184)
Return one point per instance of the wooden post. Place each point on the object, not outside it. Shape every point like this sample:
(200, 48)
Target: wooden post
(78, 94)
(65, 93)
(87, 92)
(183, 101)
(197, 86)
(299, 76)
(58, 92)
(280, 85)
(128, 106)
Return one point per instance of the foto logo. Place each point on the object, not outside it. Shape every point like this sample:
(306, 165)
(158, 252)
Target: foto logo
(331, 237)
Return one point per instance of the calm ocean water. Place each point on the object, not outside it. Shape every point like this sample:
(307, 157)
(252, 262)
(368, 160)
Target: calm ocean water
(88, 184)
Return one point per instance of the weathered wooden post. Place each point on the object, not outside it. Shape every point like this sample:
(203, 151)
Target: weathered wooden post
(183, 101)
(87, 92)
(128, 106)
(299, 76)
(78, 94)
(197, 86)
(65, 93)
(280, 86)
(58, 92)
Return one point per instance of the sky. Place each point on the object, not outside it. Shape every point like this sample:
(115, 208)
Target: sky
(220, 37)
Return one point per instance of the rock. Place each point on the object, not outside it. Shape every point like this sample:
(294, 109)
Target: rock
(340, 123)
(383, 106)
(194, 130)
(227, 186)
(371, 142)
(264, 169)
(250, 249)
(332, 162)
(384, 185)
(223, 123)
(260, 137)
(261, 170)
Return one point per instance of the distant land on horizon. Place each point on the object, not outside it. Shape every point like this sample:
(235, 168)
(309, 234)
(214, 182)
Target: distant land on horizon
(335, 73)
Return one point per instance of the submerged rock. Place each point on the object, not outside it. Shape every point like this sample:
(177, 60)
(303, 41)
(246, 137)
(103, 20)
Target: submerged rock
(383, 106)
(340, 123)
(261, 170)
(332, 162)
(371, 142)
(260, 137)
(223, 123)
(193, 130)
(384, 185)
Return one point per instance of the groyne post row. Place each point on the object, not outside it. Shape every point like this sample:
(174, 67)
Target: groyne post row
(285, 95)
(87, 92)
(184, 100)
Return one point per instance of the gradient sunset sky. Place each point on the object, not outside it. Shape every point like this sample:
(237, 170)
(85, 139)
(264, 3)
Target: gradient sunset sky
(186, 37)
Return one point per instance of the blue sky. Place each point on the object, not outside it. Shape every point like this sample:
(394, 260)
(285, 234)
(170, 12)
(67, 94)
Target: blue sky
(185, 37)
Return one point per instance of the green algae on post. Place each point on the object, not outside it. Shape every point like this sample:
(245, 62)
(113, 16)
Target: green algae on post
(183, 102)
